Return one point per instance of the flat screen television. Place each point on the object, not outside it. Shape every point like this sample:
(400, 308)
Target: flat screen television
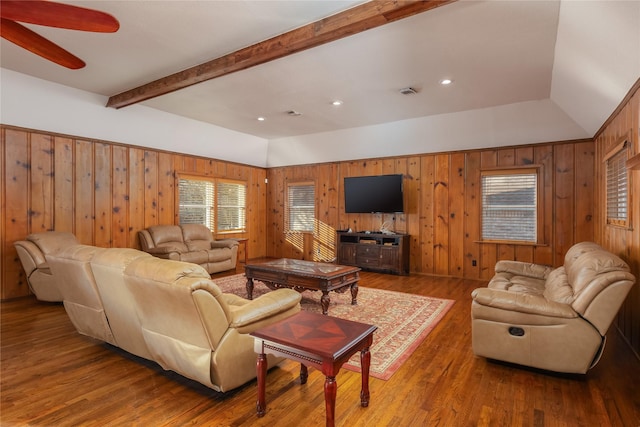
(372, 194)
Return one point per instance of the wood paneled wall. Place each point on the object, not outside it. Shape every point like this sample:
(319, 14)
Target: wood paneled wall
(442, 203)
(102, 192)
(624, 241)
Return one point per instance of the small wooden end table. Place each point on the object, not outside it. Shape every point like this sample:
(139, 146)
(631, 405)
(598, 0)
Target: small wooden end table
(323, 342)
(303, 275)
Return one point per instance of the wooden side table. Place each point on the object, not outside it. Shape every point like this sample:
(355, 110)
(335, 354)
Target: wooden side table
(243, 241)
(316, 340)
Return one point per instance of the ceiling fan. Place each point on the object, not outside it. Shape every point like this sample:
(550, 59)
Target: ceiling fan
(51, 14)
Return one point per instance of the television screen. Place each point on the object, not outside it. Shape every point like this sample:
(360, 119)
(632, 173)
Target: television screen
(369, 194)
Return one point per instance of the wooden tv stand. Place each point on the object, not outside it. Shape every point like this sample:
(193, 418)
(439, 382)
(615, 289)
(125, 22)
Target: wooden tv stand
(387, 253)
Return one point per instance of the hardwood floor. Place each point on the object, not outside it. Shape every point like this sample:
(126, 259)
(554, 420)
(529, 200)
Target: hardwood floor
(52, 376)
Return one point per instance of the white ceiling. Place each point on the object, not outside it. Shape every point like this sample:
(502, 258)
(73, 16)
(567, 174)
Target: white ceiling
(583, 56)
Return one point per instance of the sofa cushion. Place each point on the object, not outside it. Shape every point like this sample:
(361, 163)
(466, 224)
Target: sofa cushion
(52, 242)
(169, 236)
(197, 237)
(517, 283)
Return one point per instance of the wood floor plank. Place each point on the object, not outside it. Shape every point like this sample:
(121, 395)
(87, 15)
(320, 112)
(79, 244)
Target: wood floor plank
(52, 376)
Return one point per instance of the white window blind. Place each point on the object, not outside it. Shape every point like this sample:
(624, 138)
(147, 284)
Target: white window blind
(196, 202)
(509, 206)
(301, 207)
(231, 206)
(617, 187)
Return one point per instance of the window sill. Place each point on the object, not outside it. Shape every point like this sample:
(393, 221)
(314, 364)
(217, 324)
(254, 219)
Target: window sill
(510, 242)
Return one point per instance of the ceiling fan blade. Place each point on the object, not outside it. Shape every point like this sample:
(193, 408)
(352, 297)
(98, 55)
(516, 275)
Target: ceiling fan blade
(58, 15)
(33, 42)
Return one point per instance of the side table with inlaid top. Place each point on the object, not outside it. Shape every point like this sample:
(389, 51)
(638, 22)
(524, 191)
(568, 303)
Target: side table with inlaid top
(321, 341)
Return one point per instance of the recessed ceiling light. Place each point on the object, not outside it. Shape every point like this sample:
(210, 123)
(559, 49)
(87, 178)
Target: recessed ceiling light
(336, 102)
(446, 82)
(261, 119)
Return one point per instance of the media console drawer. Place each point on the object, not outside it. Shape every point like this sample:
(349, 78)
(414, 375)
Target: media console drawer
(375, 251)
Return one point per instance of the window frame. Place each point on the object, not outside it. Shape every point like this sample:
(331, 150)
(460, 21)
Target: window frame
(215, 182)
(288, 207)
(539, 208)
(621, 148)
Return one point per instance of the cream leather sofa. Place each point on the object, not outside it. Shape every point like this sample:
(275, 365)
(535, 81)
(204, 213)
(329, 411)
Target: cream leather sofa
(552, 319)
(190, 243)
(170, 312)
(33, 253)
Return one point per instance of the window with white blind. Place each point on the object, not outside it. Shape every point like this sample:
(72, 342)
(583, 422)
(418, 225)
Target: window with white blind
(218, 204)
(196, 204)
(231, 206)
(617, 185)
(301, 207)
(510, 205)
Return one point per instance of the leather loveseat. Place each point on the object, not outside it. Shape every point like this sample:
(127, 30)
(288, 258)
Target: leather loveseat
(33, 253)
(552, 319)
(170, 312)
(190, 243)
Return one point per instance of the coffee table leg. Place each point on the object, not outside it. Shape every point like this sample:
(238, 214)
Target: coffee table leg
(261, 367)
(330, 389)
(249, 288)
(365, 362)
(324, 301)
(304, 374)
(354, 293)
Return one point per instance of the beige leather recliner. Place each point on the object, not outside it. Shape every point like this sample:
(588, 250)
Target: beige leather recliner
(552, 319)
(194, 329)
(190, 243)
(33, 253)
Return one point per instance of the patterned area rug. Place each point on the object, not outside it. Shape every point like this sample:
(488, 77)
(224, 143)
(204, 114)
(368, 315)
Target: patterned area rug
(403, 320)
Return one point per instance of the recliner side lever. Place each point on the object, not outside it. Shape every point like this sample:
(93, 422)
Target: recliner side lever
(516, 331)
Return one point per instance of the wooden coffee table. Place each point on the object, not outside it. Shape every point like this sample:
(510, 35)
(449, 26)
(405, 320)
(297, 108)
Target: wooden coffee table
(323, 342)
(304, 275)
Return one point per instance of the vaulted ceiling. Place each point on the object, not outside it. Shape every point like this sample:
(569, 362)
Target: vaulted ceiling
(578, 57)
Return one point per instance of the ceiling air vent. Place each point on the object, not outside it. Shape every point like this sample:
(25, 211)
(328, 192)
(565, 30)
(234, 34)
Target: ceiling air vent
(408, 91)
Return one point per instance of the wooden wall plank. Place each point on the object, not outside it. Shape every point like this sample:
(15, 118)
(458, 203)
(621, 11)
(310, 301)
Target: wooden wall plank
(166, 189)
(84, 192)
(16, 211)
(584, 192)
(441, 214)
(103, 195)
(413, 183)
(472, 210)
(41, 183)
(120, 197)
(137, 202)
(151, 187)
(456, 214)
(64, 199)
(564, 203)
(427, 214)
(543, 156)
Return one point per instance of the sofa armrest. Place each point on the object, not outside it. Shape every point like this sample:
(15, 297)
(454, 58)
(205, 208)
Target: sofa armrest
(254, 312)
(30, 255)
(521, 302)
(518, 268)
(224, 243)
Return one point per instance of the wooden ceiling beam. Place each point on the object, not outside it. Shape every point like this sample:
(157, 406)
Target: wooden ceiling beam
(349, 22)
